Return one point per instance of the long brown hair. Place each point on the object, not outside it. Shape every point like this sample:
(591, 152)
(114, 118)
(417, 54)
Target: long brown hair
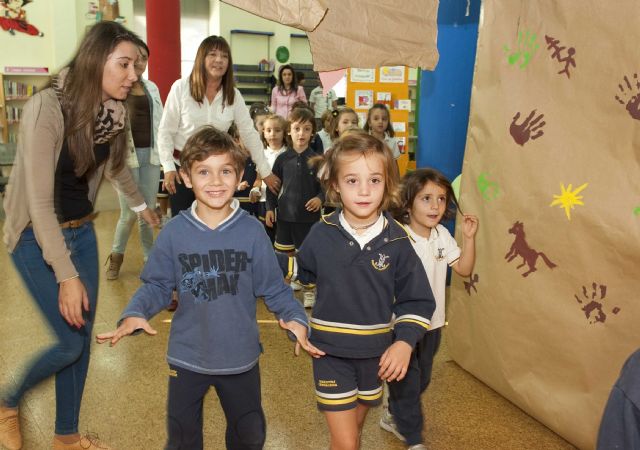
(337, 114)
(294, 80)
(82, 95)
(353, 143)
(198, 77)
(381, 107)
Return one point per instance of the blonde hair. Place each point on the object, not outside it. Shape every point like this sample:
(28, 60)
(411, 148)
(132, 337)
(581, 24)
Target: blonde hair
(353, 143)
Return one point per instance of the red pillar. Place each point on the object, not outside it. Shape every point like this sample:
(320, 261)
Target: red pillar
(163, 39)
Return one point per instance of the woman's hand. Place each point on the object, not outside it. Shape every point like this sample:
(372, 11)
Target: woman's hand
(72, 299)
(272, 182)
(128, 326)
(169, 181)
(150, 216)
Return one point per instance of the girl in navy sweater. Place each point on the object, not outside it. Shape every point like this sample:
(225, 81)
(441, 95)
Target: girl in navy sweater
(373, 298)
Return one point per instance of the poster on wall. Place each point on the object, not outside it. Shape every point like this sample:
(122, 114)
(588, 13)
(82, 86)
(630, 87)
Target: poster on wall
(392, 74)
(13, 18)
(363, 75)
(364, 99)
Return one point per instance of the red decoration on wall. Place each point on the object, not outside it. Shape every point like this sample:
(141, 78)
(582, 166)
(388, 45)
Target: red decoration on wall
(13, 18)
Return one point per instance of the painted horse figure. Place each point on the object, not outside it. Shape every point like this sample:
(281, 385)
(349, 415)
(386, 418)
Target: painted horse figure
(521, 248)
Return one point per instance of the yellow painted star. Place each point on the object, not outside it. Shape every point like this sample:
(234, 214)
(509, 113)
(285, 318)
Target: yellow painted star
(568, 198)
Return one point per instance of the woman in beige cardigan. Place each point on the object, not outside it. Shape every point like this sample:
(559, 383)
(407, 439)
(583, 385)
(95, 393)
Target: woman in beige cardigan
(70, 135)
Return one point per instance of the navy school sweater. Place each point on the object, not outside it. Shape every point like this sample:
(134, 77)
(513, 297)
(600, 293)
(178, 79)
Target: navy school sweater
(218, 275)
(359, 290)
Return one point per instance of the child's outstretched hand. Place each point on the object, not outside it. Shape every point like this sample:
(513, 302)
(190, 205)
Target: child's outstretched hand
(300, 332)
(470, 225)
(395, 361)
(128, 326)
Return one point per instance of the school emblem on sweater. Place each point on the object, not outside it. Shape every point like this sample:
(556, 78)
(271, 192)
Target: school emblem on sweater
(381, 264)
(440, 255)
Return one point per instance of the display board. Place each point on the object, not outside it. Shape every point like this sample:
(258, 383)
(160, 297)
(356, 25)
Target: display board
(551, 167)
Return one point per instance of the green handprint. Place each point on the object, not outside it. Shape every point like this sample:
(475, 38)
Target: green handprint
(526, 48)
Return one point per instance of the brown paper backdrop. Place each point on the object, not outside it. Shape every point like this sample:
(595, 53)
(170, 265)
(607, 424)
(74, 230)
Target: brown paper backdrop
(529, 337)
(359, 33)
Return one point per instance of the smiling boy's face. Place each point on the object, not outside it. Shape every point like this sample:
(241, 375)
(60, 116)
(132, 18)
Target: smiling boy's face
(214, 181)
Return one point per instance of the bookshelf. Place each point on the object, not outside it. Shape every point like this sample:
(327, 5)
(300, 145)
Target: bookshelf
(15, 90)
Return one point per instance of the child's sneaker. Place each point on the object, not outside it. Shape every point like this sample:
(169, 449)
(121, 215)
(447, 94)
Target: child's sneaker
(309, 298)
(295, 286)
(417, 447)
(89, 441)
(10, 436)
(387, 423)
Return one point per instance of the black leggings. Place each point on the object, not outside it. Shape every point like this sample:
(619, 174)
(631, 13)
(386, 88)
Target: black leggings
(240, 400)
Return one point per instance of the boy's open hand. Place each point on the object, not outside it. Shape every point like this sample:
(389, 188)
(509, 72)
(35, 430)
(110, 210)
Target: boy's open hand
(128, 326)
(300, 332)
(394, 361)
(313, 205)
(269, 218)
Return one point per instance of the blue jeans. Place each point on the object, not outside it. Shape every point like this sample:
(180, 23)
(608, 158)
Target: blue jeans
(147, 177)
(67, 359)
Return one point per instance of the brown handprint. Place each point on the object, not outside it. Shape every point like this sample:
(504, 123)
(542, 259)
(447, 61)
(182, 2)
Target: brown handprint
(630, 98)
(592, 308)
(523, 132)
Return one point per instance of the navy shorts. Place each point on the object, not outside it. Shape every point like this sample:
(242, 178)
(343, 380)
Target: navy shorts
(289, 235)
(342, 383)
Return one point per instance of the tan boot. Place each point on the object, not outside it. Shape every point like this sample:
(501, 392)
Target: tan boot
(89, 441)
(115, 261)
(10, 436)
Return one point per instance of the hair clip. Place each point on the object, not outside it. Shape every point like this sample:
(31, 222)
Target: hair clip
(335, 113)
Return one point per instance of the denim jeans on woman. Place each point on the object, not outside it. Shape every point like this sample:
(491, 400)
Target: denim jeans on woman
(68, 358)
(147, 177)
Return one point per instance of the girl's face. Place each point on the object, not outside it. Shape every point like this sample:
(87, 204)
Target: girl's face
(378, 120)
(428, 208)
(347, 121)
(361, 181)
(327, 123)
(141, 64)
(216, 64)
(273, 134)
(287, 77)
(258, 122)
(119, 73)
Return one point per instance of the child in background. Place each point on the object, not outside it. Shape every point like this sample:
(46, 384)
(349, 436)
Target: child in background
(427, 198)
(220, 260)
(379, 125)
(250, 179)
(259, 113)
(324, 133)
(367, 272)
(343, 119)
(300, 199)
(315, 143)
(273, 135)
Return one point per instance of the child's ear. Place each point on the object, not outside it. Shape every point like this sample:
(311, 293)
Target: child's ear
(185, 177)
(336, 188)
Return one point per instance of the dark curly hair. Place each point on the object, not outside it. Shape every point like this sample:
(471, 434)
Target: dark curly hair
(413, 182)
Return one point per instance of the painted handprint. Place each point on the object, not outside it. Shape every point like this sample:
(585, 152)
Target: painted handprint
(592, 308)
(529, 129)
(526, 47)
(630, 97)
(471, 284)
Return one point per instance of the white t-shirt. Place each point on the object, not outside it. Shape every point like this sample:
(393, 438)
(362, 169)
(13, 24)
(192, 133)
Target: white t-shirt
(326, 139)
(440, 250)
(321, 102)
(393, 145)
(271, 156)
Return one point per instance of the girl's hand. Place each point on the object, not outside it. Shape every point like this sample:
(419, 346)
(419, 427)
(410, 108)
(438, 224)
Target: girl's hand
(273, 183)
(150, 216)
(128, 326)
(313, 205)
(169, 181)
(242, 186)
(470, 226)
(300, 332)
(72, 299)
(269, 218)
(395, 361)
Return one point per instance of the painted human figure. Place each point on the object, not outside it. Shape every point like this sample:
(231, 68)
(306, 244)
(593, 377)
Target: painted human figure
(14, 18)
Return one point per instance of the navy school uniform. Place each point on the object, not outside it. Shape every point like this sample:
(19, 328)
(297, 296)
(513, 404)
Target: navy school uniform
(250, 175)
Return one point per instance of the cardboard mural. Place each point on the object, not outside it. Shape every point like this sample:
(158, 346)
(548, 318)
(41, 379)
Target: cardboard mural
(552, 168)
(359, 33)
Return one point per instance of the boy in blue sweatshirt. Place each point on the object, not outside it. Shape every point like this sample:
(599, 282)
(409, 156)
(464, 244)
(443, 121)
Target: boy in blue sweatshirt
(219, 259)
